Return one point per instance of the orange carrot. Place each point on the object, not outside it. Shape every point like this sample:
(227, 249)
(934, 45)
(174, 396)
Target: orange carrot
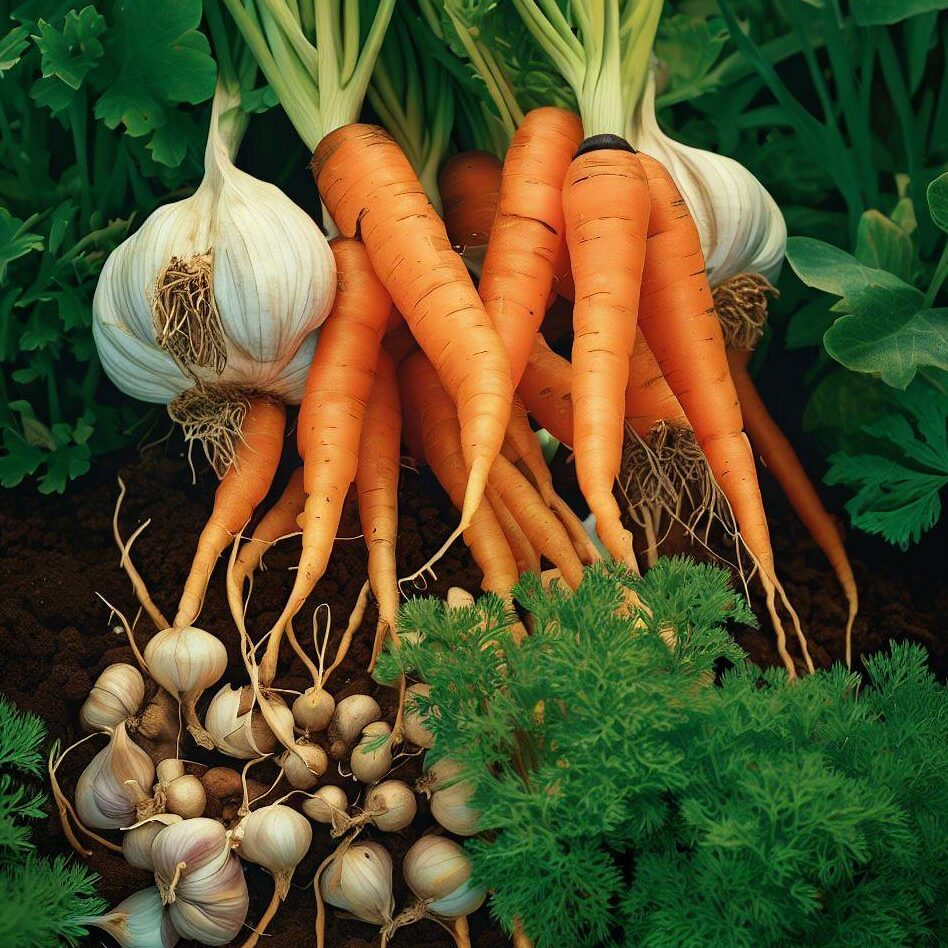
(528, 228)
(525, 556)
(278, 522)
(369, 187)
(377, 486)
(648, 398)
(469, 184)
(331, 416)
(606, 203)
(243, 487)
(546, 390)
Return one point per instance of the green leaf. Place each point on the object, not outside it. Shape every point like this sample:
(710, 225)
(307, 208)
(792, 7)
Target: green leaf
(808, 325)
(156, 61)
(15, 240)
(12, 47)
(884, 245)
(67, 56)
(884, 12)
(689, 48)
(894, 345)
(19, 459)
(845, 400)
(938, 201)
(63, 465)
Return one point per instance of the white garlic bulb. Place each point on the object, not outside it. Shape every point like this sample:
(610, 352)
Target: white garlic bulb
(137, 841)
(416, 729)
(327, 805)
(741, 227)
(116, 696)
(237, 727)
(352, 714)
(358, 880)
(178, 792)
(276, 838)
(438, 871)
(223, 288)
(201, 881)
(304, 765)
(450, 797)
(391, 805)
(114, 783)
(372, 757)
(141, 921)
(313, 709)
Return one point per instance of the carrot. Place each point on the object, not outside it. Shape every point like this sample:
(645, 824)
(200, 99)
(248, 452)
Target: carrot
(369, 187)
(331, 416)
(546, 390)
(525, 556)
(606, 203)
(470, 187)
(680, 325)
(278, 522)
(424, 396)
(377, 486)
(242, 488)
(528, 228)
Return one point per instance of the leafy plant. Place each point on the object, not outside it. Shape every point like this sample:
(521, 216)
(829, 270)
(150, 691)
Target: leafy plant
(626, 798)
(44, 901)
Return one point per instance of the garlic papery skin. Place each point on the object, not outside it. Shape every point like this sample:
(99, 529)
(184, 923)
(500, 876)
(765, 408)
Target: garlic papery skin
(114, 783)
(141, 921)
(450, 798)
(352, 714)
(416, 730)
(327, 805)
(260, 266)
(304, 766)
(313, 709)
(438, 871)
(391, 805)
(276, 838)
(185, 662)
(138, 839)
(372, 757)
(237, 727)
(201, 881)
(178, 792)
(741, 227)
(116, 696)
(358, 880)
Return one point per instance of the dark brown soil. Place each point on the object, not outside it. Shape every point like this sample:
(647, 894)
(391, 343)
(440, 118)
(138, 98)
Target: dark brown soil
(56, 635)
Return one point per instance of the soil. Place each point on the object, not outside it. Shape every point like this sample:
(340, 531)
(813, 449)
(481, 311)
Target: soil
(56, 634)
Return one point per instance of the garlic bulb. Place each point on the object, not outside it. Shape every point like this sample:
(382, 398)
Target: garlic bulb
(185, 662)
(276, 838)
(372, 757)
(304, 766)
(438, 871)
(201, 881)
(141, 921)
(313, 709)
(741, 227)
(114, 782)
(158, 720)
(237, 726)
(116, 696)
(178, 792)
(352, 714)
(327, 804)
(450, 798)
(358, 880)
(137, 841)
(391, 805)
(218, 293)
(415, 728)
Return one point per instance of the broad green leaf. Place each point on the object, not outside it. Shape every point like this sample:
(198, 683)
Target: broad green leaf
(845, 400)
(19, 459)
(63, 465)
(689, 47)
(892, 344)
(15, 239)
(938, 201)
(903, 214)
(808, 325)
(157, 61)
(71, 53)
(12, 47)
(884, 12)
(884, 245)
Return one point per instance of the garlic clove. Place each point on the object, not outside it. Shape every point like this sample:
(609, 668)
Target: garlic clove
(169, 769)
(116, 696)
(326, 804)
(277, 838)
(185, 796)
(140, 921)
(450, 797)
(416, 730)
(372, 757)
(391, 805)
(350, 718)
(438, 871)
(313, 709)
(239, 730)
(358, 880)
(304, 766)
(138, 839)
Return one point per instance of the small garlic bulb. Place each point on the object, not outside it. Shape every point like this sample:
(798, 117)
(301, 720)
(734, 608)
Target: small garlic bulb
(358, 880)
(179, 792)
(415, 720)
(391, 805)
(327, 804)
(438, 871)
(352, 714)
(305, 765)
(116, 696)
(741, 227)
(114, 782)
(276, 838)
(137, 841)
(372, 756)
(218, 292)
(313, 709)
(185, 662)
(141, 921)
(237, 727)
(450, 798)
(201, 881)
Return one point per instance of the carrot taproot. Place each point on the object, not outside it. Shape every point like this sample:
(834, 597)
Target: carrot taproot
(546, 390)
(243, 487)
(606, 206)
(377, 487)
(369, 187)
(331, 417)
(528, 228)
(525, 555)
(679, 323)
(469, 184)
(648, 397)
